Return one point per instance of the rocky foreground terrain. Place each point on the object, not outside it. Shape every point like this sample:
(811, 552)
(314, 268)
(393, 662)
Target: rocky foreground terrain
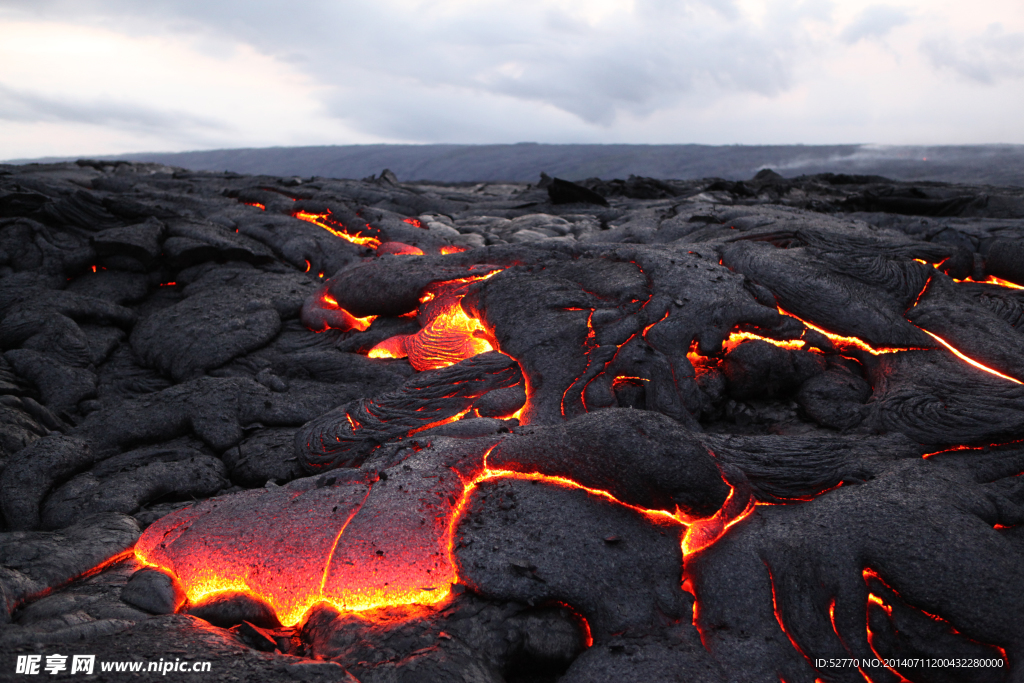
(623, 430)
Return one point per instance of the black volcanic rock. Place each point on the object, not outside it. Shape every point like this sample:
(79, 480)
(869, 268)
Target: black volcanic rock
(133, 247)
(564, 192)
(814, 381)
(230, 609)
(625, 586)
(154, 591)
(35, 562)
(125, 482)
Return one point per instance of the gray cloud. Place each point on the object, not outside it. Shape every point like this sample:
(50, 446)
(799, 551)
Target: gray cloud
(20, 105)
(986, 58)
(874, 22)
(663, 53)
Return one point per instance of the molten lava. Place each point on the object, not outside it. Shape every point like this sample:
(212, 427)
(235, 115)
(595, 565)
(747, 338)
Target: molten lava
(325, 221)
(848, 342)
(968, 360)
(870, 575)
(448, 336)
(309, 544)
(778, 618)
(703, 533)
(398, 249)
(993, 280)
(347, 320)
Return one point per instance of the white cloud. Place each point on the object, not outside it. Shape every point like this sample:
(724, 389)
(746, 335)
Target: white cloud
(874, 22)
(988, 57)
(175, 74)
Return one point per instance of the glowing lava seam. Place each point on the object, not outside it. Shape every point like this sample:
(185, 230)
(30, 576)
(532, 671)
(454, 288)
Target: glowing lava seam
(848, 341)
(321, 220)
(968, 360)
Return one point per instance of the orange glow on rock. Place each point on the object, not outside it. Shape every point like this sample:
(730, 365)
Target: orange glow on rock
(339, 555)
(993, 280)
(588, 637)
(398, 249)
(847, 342)
(624, 380)
(737, 338)
(449, 335)
(256, 204)
(990, 280)
(453, 249)
(832, 618)
(349, 321)
(324, 221)
(702, 364)
(447, 420)
(308, 265)
(415, 222)
(704, 532)
(876, 600)
(280, 564)
(782, 625)
(968, 360)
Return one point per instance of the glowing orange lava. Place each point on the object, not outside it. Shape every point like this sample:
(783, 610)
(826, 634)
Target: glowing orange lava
(702, 533)
(449, 335)
(354, 567)
(256, 204)
(398, 249)
(702, 364)
(993, 280)
(453, 249)
(324, 221)
(349, 321)
(874, 599)
(778, 618)
(968, 360)
(846, 342)
(990, 280)
(737, 338)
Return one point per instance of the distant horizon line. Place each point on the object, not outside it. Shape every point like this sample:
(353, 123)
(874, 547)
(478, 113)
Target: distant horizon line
(108, 156)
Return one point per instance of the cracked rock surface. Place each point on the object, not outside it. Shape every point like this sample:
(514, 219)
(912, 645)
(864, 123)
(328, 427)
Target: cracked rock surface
(642, 430)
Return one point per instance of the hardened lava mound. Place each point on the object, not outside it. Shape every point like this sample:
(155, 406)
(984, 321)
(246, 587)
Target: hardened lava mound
(642, 430)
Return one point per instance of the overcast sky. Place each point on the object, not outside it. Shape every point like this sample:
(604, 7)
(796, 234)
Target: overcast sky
(82, 77)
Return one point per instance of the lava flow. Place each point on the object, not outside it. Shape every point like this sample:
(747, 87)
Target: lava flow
(847, 342)
(702, 364)
(448, 336)
(322, 544)
(332, 226)
(348, 321)
(968, 360)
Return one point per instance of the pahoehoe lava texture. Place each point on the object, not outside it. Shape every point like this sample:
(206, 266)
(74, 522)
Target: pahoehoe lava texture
(610, 431)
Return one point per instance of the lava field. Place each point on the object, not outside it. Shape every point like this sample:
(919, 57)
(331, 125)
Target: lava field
(618, 430)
